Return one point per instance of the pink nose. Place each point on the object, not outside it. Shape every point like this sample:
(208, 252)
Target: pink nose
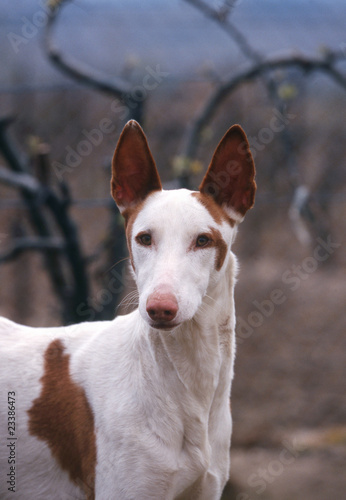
(162, 307)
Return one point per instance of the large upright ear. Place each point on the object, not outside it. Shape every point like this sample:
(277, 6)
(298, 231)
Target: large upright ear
(134, 174)
(230, 178)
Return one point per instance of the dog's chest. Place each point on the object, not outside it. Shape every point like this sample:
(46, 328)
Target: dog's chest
(156, 424)
(164, 451)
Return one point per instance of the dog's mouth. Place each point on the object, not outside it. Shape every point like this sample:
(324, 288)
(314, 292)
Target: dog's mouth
(166, 326)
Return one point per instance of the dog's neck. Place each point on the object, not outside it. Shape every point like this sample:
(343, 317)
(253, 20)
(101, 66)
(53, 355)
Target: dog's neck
(198, 349)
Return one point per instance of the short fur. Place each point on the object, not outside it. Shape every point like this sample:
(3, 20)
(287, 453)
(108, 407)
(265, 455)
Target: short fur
(138, 407)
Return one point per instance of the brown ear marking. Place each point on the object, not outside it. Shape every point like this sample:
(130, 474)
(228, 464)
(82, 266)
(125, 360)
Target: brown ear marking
(134, 173)
(230, 178)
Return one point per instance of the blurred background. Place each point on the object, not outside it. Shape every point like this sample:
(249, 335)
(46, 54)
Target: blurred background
(72, 74)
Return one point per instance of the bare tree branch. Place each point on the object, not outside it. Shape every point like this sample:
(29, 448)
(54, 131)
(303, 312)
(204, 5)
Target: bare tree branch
(72, 289)
(324, 65)
(220, 17)
(264, 70)
(75, 69)
(24, 244)
(116, 87)
(8, 149)
(24, 182)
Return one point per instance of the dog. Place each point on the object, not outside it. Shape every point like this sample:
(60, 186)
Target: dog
(137, 408)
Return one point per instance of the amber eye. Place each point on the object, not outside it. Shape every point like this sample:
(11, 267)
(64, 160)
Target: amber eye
(144, 239)
(202, 240)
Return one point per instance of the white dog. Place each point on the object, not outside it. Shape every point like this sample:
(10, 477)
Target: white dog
(137, 408)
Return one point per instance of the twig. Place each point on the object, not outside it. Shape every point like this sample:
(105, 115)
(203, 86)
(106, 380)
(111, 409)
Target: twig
(21, 181)
(8, 149)
(228, 27)
(225, 89)
(80, 72)
(24, 244)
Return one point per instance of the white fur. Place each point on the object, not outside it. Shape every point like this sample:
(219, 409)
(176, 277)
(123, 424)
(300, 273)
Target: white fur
(160, 399)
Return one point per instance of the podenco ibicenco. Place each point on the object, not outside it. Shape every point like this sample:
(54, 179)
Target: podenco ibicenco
(137, 408)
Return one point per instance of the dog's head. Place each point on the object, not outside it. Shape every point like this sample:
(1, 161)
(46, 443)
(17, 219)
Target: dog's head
(179, 241)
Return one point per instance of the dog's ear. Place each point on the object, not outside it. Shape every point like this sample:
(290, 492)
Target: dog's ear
(134, 174)
(230, 178)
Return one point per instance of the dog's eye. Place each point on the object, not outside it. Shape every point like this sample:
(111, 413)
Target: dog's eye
(202, 240)
(144, 239)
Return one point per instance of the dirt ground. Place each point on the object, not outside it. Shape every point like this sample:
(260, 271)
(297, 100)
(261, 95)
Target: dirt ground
(288, 397)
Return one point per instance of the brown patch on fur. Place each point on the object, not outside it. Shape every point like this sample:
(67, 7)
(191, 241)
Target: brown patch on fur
(130, 215)
(61, 416)
(221, 248)
(216, 241)
(217, 213)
